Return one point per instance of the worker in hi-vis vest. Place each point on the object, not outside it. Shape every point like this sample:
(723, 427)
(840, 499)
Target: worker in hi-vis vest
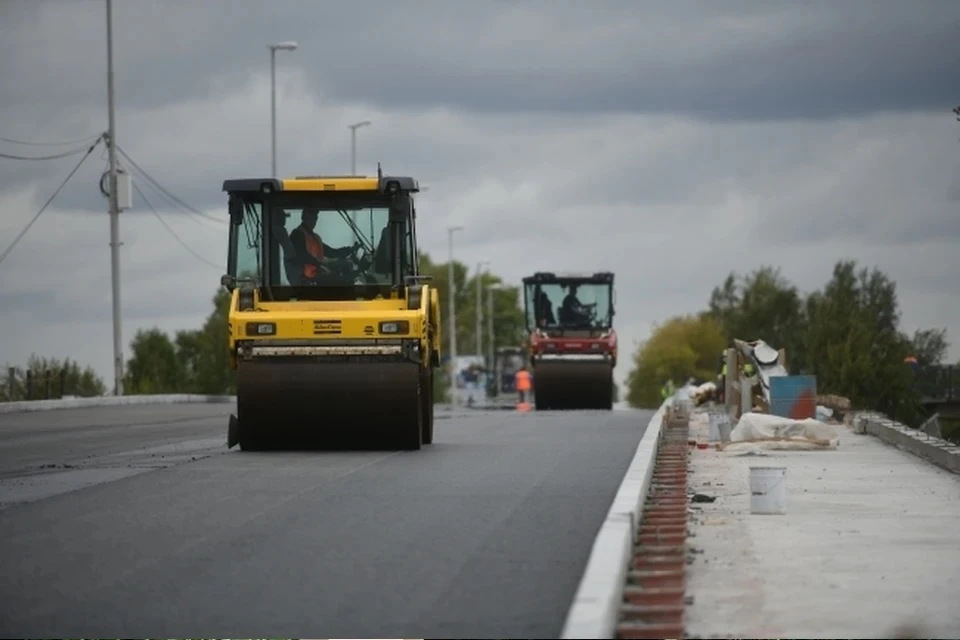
(667, 389)
(523, 383)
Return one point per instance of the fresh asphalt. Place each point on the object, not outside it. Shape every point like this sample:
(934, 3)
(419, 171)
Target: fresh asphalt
(137, 521)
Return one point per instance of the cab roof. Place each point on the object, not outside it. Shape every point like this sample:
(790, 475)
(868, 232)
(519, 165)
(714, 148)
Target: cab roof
(382, 184)
(545, 277)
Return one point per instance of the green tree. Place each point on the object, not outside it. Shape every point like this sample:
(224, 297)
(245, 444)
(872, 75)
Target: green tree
(683, 347)
(81, 382)
(508, 322)
(213, 374)
(195, 361)
(859, 350)
(762, 305)
(929, 346)
(154, 365)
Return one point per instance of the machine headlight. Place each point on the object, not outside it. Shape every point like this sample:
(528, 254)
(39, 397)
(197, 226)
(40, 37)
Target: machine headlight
(395, 326)
(261, 328)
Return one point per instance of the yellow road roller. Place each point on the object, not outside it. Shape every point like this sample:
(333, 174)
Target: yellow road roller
(333, 332)
(572, 343)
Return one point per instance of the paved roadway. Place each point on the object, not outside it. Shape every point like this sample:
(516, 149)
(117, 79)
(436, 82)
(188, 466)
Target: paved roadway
(137, 522)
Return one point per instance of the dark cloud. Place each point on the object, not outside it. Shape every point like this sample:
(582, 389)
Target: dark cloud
(730, 62)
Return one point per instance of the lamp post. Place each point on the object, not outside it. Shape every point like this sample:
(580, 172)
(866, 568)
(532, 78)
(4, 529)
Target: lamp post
(479, 329)
(353, 143)
(280, 46)
(453, 316)
(490, 344)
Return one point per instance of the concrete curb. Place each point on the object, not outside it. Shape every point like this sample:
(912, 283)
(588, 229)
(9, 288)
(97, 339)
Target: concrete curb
(110, 401)
(940, 452)
(596, 605)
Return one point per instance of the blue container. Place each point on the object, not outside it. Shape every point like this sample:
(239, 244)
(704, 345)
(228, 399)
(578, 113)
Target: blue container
(793, 396)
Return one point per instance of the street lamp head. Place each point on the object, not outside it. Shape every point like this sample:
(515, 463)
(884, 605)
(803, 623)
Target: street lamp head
(357, 125)
(452, 229)
(288, 45)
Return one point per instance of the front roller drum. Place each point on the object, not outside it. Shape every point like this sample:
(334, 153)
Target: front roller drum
(360, 405)
(573, 385)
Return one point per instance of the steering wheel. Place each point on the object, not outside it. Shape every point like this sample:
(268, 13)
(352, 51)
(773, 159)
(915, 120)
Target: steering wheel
(355, 267)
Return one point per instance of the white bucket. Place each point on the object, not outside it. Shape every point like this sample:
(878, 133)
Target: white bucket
(768, 490)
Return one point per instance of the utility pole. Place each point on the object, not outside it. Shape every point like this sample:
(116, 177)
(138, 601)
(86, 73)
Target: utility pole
(353, 143)
(114, 211)
(479, 308)
(453, 316)
(280, 46)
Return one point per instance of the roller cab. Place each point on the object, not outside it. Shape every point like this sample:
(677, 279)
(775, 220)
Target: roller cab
(572, 342)
(333, 333)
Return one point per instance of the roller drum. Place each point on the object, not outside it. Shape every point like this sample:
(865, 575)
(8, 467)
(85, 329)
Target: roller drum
(366, 405)
(573, 385)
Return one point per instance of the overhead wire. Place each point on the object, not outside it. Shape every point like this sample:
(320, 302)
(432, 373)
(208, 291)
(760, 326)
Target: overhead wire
(65, 143)
(171, 231)
(56, 156)
(6, 252)
(161, 188)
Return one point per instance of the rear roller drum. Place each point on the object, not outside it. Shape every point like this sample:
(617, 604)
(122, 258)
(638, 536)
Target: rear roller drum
(370, 405)
(573, 386)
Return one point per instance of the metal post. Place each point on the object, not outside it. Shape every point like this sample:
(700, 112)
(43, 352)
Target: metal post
(12, 383)
(731, 386)
(490, 347)
(114, 215)
(353, 143)
(273, 112)
(63, 381)
(453, 316)
(479, 309)
(282, 46)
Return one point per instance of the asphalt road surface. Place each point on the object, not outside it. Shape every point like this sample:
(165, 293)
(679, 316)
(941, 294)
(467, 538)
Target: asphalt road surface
(137, 522)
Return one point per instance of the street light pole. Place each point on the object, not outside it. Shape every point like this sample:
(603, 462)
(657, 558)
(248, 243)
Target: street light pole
(280, 46)
(114, 211)
(453, 316)
(353, 143)
(490, 344)
(479, 307)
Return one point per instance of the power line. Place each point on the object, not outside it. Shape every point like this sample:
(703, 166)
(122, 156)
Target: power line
(65, 143)
(162, 189)
(172, 232)
(6, 252)
(166, 199)
(57, 156)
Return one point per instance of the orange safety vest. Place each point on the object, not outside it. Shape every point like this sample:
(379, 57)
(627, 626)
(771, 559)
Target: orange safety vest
(314, 248)
(523, 380)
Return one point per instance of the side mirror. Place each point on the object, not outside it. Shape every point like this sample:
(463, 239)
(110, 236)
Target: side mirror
(235, 207)
(400, 207)
(228, 281)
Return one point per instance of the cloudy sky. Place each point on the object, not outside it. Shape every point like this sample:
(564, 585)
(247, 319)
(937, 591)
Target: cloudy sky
(667, 142)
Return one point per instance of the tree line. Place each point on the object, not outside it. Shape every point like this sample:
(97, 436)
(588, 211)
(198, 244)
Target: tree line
(847, 334)
(197, 360)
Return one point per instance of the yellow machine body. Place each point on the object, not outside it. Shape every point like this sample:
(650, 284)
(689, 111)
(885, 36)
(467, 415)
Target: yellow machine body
(340, 358)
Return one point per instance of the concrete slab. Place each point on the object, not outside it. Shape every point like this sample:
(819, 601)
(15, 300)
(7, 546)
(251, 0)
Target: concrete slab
(869, 545)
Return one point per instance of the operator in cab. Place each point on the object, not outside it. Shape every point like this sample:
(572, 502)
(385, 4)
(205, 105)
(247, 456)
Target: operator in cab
(316, 257)
(572, 311)
(545, 315)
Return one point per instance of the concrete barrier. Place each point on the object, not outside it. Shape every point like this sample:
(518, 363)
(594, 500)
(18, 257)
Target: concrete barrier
(596, 604)
(111, 401)
(940, 452)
